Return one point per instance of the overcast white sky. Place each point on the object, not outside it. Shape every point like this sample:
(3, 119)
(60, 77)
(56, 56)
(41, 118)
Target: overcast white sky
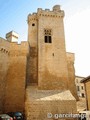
(13, 16)
(77, 34)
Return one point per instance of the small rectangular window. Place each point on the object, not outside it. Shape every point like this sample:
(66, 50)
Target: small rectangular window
(78, 89)
(47, 37)
(83, 95)
(82, 87)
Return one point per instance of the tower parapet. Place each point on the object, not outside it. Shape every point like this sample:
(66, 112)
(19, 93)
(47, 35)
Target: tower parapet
(19, 49)
(32, 17)
(55, 12)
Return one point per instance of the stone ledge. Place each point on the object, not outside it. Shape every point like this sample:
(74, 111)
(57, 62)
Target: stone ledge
(36, 94)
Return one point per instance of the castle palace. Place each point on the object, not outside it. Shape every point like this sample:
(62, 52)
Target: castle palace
(37, 76)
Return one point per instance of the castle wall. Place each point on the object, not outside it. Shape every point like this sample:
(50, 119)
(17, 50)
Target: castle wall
(52, 63)
(71, 74)
(4, 55)
(16, 76)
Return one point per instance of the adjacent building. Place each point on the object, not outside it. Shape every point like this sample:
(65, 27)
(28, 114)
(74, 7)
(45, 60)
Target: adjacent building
(80, 86)
(86, 82)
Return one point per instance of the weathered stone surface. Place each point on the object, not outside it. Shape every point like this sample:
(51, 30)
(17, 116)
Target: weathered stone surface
(41, 102)
(32, 66)
(4, 51)
(15, 84)
(71, 74)
(13, 60)
(16, 77)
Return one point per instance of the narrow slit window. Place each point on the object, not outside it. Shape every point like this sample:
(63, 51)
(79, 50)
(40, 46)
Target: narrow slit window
(46, 39)
(50, 39)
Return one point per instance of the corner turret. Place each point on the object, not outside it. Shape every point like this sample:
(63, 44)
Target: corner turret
(56, 8)
(12, 36)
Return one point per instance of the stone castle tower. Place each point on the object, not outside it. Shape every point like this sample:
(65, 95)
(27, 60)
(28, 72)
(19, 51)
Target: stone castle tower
(52, 67)
(39, 72)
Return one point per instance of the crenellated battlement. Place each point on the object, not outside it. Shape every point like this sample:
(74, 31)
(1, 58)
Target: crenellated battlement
(55, 12)
(19, 49)
(13, 48)
(51, 14)
(4, 46)
(32, 16)
(55, 8)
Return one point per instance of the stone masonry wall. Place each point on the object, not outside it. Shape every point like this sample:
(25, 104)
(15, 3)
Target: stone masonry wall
(87, 86)
(41, 102)
(16, 76)
(4, 55)
(15, 85)
(32, 66)
(71, 73)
